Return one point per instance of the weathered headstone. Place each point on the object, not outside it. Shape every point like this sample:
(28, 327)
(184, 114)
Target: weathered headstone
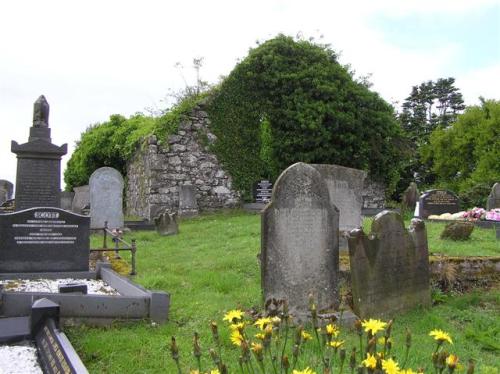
(389, 267)
(38, 179)
(263, 191)
(67, 199)
(300, 241)
(457, 230)
(44, 240)
(6, 189)
(435, 202)
(410, 197)
(494, 197)
(166, 224)
(345, 186)
(188, 206)
(81, 198)
(106, 198)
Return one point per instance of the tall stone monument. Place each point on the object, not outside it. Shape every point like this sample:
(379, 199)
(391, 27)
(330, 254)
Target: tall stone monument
(389, 267)
(38, 179)
(300, 242)
(106, 198)
(6, 189)
(494, 197)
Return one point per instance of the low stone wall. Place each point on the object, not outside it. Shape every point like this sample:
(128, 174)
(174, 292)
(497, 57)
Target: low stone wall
(158, 169)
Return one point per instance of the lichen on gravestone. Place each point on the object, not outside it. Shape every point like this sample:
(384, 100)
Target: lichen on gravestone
(457, 231)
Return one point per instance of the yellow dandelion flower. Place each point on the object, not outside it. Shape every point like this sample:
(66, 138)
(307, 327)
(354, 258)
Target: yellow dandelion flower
(214, 371)
(305, 371)
(336, 343)
(260, 336)
(331, 329)
(194, 372)
(390, 366)
(261, 323)
(373, 325)
(440, 336)
(306, 335)
(381, 340)
(233, 315)
(236, 338)
(452, 361)
(237, 326)
(370, 361)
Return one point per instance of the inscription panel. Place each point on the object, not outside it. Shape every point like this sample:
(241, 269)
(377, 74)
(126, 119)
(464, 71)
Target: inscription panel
(438, 202)
(44, 239)
(263, 191)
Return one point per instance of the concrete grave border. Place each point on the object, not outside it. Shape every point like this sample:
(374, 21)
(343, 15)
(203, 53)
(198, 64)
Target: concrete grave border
(134, 301)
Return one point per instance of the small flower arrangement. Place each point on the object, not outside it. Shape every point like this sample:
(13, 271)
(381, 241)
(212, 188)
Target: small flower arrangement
(271, 344)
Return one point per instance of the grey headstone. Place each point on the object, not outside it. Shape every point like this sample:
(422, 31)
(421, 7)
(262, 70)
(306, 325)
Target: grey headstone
(81, 198)
(300, 242)
(67, 199)
(389, 267)
(106, 198)
(494, 197)
(38, 178)
(410, 197)
(6, 190)
(436, 202)
(188, 206)
(44, 240)
(166, 224)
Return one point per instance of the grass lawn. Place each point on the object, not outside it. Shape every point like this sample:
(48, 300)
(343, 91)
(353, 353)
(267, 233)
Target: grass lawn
(211, 267)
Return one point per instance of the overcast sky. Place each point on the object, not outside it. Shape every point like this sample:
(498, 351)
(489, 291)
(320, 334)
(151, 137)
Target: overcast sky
(92, 58)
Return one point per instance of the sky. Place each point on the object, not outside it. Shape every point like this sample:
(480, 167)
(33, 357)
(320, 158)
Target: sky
(95, 58)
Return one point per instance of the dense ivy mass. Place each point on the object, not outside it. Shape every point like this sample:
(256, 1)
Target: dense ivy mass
(291, 101)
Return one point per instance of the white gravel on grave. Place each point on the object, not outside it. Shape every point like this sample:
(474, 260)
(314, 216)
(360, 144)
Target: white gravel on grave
(19, 359)
(94, 287)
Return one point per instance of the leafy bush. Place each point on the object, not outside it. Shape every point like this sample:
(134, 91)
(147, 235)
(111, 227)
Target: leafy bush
(290, 100)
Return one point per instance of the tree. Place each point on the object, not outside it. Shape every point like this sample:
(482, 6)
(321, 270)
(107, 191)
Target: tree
(466, 154)
(314, 109)
(431, 105)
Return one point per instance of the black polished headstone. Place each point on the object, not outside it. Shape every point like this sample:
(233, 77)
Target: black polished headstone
(436, 202)
(38, 164)
(44, 240)
(262, 191)
(80, 288)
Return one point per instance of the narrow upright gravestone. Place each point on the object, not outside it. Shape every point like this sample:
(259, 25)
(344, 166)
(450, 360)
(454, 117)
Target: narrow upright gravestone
(43, 240)
(38, 163)
(188, 206)
(67, 199)
(300, 241)
(6, 189)
(81, 199)
(390, 267)
(435, 202)
(494, 197)
(410, 196)
(106, 198)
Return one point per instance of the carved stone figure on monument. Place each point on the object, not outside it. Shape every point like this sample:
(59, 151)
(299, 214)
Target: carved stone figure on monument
(41, 112)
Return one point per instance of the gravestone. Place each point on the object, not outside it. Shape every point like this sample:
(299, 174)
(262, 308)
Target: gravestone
(6, 189)
(106, 198)
(410, 197)
(494, 197)
(389, 267)
(188, 206)
(67, 199)
(166, 224)
(435, 202)
(81, 199)
(44, 240)
(262, 191)
(300, 242)
(38, 164)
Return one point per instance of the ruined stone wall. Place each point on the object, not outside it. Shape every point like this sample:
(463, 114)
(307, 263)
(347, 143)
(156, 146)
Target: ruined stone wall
(158, 169)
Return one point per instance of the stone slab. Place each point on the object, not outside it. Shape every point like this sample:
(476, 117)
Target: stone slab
(494, 197)
(300, 242)
(44, 240)
(106, 198)
(188, 205)
(14, 329)
(81, 199)
(437, 202)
